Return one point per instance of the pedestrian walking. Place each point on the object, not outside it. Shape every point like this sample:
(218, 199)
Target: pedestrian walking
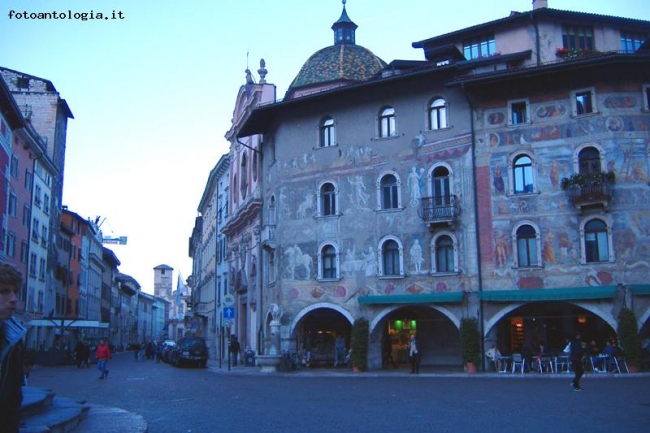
(103, 355)
(234, 349)
(81, 353)
(12, 373)
(577, 353)
(414, 355)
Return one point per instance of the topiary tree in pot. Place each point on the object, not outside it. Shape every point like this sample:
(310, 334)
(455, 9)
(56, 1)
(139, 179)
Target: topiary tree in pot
(470, 343)
(628, 335)
(359, 344)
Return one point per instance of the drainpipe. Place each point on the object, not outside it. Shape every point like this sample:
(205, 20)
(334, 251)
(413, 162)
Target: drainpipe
(535, 24)
(476, 218)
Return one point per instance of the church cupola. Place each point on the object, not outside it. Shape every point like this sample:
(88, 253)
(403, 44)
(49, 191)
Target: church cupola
(344, 29)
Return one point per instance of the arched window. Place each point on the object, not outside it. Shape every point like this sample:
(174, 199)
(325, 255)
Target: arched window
(438, 114)
(387, 122)
(326, 132)
(527, 246)
(596, 241)
(328, 199)
(243, 181)
(440, 186)
(523, 175)
(272, 211)
(589, 161)
(329, 268)
(444, 254)
(391, 258)
(389, 192)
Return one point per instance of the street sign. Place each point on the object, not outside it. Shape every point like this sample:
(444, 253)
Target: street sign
(229, 313)
(228, 300)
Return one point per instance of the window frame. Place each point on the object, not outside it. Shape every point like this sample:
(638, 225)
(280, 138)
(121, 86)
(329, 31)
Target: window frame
(576, 94)
(327, 132)
(441, 111)
(333, 197)
(332, 258)
(531, 262)
(574, 41)
(380, 192)
(399, 258)
(580, 163)
(474, 46)
(512, 169)
(607, 232)
(387, 122)
(636, 39)
(435, 253)
(512, 111)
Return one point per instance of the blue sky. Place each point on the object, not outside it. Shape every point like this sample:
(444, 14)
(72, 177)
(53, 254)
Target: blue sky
(152, 94)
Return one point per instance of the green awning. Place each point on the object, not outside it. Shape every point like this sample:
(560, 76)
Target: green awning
(427, 298)
(563, 294)
(640, 289)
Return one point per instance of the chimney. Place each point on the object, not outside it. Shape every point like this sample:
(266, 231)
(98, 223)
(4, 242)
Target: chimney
(538, 4)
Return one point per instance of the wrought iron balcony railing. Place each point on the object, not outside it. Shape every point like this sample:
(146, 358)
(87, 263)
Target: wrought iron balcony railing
(439, 209)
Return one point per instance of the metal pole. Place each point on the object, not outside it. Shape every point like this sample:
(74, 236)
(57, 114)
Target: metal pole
(229, 343)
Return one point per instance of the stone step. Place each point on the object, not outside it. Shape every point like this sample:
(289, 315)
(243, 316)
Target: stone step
(43, 412)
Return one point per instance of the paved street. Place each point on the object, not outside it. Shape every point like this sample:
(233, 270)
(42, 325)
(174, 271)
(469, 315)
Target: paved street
(182, 400)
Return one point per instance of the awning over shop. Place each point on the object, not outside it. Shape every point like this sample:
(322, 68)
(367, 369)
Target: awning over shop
(563, 294)
(640, 289)
(67, 323)
(427, 298)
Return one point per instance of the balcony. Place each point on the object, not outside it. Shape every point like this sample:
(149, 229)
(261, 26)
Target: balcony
(593, 190)
(439, 210)
(268, 236)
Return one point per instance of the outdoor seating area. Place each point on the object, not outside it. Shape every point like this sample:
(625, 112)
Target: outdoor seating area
(517, 363)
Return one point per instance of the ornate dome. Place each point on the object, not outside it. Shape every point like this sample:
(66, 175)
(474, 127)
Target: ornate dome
(338, 62)
(343, 62)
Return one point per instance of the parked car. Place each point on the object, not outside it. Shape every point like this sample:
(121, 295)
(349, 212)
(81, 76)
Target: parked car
(166, 350)
(190, 350)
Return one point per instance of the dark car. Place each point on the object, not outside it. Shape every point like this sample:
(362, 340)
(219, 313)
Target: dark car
(190, 350)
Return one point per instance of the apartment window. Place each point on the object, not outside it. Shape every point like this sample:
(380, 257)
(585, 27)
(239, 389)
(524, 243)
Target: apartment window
(387, 123)
(14, 166)
(35, 228)
(328, 199)
(444, 253)
(596, 241)
(523, 175)
(632, 41)
(41, 269)
(22, 83)
(518, 112)
(37, 196)
(482, 46)
(44, 235)
(271, 266)
(24, 249)
(578, 37)
(584, 102)
(391, 258)
(328, 265)
(12, 205)
(389, 192)
(10, 245)
(27, 215)
(438, 114)
(28, 180)
(327, 132)
(46, 204)
(32, 265)
(527, 244)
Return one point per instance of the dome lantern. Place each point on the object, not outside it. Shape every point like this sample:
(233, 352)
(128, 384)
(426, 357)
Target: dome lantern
(344, 29)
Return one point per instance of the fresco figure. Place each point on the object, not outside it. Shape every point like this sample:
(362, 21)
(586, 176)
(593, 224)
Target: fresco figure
(359, 195)
(416, 256)
(298, 260)
(413, 183)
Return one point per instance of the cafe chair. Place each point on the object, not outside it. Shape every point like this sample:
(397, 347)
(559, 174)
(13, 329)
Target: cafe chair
(618, 363)
(562, 364)
(518, 361)
(545, 364)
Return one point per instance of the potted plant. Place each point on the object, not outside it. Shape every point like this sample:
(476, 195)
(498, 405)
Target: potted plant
(628, 335)
(470, 343)
(580, 180)
(359, 344)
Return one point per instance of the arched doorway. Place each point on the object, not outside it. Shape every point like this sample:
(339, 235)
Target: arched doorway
(525, 327)
(437, 337)
(316, 331)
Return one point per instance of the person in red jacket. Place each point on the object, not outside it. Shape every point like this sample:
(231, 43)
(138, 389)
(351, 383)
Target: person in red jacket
(103, 354)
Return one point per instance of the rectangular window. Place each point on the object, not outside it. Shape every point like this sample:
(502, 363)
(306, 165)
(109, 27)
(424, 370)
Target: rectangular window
(578, 37)
(584, 102)
(14, 166)
(37, 196)
(35, 228)
(28, 180)
(41, 269)
(44, 235)
(482, 46)
(631, 41)
(26, 215)
(518, 112)
(10, 246)
(24, 249)
(32, 265)
(13, 205)
(46, 204)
